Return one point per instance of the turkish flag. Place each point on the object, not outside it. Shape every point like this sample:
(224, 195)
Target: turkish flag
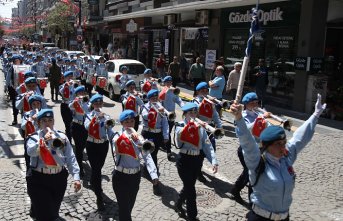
(131, 103)
(66, 91)
(125, 147)
(152, 118)
(45, 154)
(77, 107)
(94, 130)
(42, 83)
(22, 88)
(259, 125)
(29, 128)
(93, 80)
(146, 87)
(102, 82)
(206, 108)
(190, 134)
(162, 95)
(26, 105)
(21, 77)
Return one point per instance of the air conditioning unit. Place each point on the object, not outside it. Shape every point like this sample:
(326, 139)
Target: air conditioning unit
(201, 17)
(170, 19)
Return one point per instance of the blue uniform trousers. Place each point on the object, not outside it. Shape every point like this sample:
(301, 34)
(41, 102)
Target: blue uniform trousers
(67, 118)
(79, 134)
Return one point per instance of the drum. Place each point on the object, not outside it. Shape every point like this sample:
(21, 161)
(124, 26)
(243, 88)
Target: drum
(91, 80)
(17, 69)
(42, 82)
(101, 82)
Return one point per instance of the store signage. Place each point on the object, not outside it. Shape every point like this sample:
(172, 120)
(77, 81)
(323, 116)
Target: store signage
(265, 17)
(210, 59)
(131, 26)
(300, 63)
(316, 64)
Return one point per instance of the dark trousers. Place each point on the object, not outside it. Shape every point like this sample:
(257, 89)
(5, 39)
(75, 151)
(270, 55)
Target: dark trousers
(46, 192)
(96, 155)
(125, 187)
(67, 118)
(41, 91)
(79, 134)
(202, 154)
(89, 89)
(136, 123)
(168, 144)
(175, 81)
(188, 169)
(196, 81)
(54, 90)
(157, 138)
(243, 179)
(261, 94)
(251, 216)
(13, 94)
(232, 94)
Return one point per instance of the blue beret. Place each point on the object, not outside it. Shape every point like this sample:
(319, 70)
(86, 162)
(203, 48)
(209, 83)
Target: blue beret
(35, 97)
(16, 57)
(189, 106)
(122, 68)
(73, 60)
(45, 113)
(152, 93)
(80, 89)
(126, 114)
(66, 60)
(53, 60)
(68, 73)
(272, 133)
(95, 98)
(28, 74)
(252, 96)
(201, 85)
(30, 80)
(167, 78)
(129, 83)
(147, 71)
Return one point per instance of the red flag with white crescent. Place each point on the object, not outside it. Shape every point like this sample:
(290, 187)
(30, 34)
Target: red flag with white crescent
(42, 83)
(259, 125)
(26, 105)
(45, 154)
(66, 91)
(190, 134)
(125, 147)
(146, 87)
(21, 77)
(22, 88)
(152, 118)
(77, 107)
(206, 108)
(131, 103)
(29, 128)
(94, 129)
(93, 82)
(102, 82)
(162, 95)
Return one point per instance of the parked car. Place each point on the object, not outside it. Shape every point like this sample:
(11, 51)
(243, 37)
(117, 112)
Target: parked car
(136, 70)
(74, 53)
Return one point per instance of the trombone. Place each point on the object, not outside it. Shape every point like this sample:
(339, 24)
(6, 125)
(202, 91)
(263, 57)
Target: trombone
(287, 124)
(170, 115)
(217, 132)
(146, 145)
(224, 103)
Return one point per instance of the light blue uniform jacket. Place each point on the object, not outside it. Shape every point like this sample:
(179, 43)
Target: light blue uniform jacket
(215, 115)
(170, 101)
(161, 122)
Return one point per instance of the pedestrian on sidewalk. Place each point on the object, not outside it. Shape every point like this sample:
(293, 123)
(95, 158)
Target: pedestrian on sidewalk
(272, 174)
(54, 79)
(261, 74)
(232, 82)
(174, 71)
(196, 74)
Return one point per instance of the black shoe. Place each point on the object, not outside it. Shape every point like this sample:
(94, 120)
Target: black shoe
(201, 178)
(157, 189)
(237, 196)
(179, 209)
(100, 204)
(14, 123)
(169, 156)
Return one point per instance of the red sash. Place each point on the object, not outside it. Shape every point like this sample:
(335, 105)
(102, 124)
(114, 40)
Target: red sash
(259, 125)
(77, 107)
(152, 118)
(131, 103)
(93, 80)
(29, 128)
(94, 129)
(21, 77)
(125, 147)
(146, 87)
(22, 88)
(162, 95)
(66, 91)
(42, 83)
(26, 105)
(206, 108)
(45, 154)
(190, 134)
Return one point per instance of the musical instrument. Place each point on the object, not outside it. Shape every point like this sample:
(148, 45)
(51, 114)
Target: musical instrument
(159, 80)
(156, 109)
(57, 142)
(170, 115)
(109, 122)
(91, 80)
(141, 95)
(84, 98)
(42, 82)
(224, 103)
(146, 145)
(287, 124)
(217, 132)
(101, 82)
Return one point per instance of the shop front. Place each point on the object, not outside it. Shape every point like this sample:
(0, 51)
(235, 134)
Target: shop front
(277, 44)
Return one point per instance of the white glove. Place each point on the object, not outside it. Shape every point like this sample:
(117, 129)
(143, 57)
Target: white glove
(319, 108)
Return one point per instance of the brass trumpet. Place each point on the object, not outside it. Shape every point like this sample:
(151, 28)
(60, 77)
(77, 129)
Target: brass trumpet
(57, 142)
(170, 115)
(141, 95)
(217, 132)
(109, 122)
(224, 103)
(159, 80)
(146, 145)
(84, 98)
(287, 124)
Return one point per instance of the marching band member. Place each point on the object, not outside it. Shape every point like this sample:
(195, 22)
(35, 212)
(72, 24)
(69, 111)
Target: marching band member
(101, 72)
(75, 69)
(22, 87)
(168, 99)
(97, 144)
(50, 151)
(40, 69)
(155, 127)
(131, 101)
(127, 149)
(208, 114)
(123, 79)
(273, 186)
(66, 90)
(191, 139)
(89, 70)
(79, 109)
(148, 82)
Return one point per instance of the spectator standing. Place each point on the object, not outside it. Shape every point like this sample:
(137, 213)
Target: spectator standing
(174, 71)
(261, 73)
(54, 78)
(232, 82)
(183, 66)
(160, 65)
(196, 74)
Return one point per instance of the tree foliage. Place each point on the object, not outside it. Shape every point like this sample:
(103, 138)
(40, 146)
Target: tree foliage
(58, 19)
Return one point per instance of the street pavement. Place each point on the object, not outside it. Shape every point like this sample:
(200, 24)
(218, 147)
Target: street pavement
(317, 194)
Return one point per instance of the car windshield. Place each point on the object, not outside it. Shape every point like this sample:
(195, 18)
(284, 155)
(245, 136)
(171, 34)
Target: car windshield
(134, 69)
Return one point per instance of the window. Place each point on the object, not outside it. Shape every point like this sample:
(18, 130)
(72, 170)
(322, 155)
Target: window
(135, 69)
(110, 66)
